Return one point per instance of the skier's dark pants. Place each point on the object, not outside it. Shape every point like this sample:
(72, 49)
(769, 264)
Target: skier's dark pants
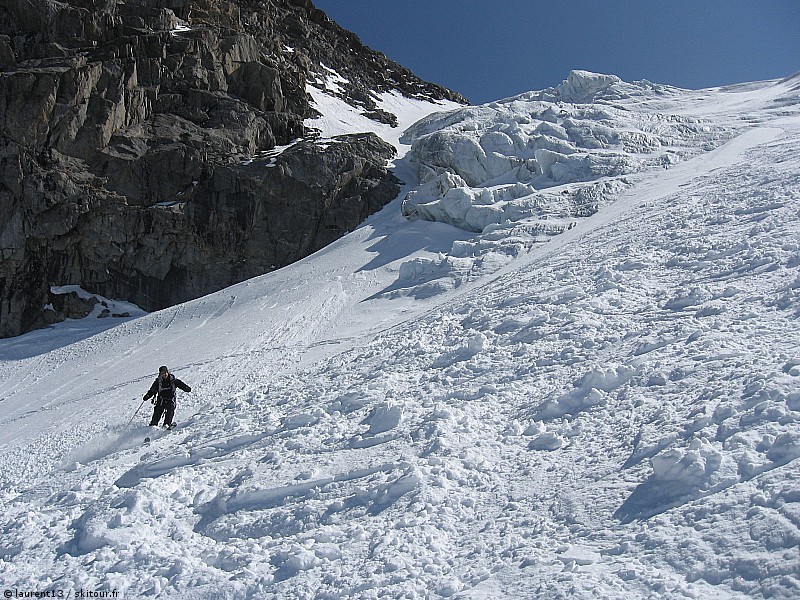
(161, 407)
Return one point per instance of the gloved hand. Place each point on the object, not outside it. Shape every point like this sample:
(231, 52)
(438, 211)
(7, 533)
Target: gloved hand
(144, 398)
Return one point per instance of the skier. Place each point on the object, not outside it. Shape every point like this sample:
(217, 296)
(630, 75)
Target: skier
(163, 393)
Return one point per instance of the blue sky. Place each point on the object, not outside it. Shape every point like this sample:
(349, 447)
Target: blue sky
(492, 50)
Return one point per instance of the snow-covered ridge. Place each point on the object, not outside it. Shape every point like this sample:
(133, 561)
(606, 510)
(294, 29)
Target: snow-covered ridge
(583, 87)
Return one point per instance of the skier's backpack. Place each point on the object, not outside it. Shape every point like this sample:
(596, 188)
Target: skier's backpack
(168, 385)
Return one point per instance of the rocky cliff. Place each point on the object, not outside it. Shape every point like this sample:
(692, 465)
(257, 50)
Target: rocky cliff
(138, 146)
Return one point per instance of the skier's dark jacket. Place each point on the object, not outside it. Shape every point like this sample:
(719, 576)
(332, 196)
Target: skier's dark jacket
(165, 390)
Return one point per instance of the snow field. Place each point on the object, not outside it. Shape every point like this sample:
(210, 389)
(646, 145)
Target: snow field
(611, 414)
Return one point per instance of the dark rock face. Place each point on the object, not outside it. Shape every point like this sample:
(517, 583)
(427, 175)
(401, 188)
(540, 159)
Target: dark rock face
(135, 139)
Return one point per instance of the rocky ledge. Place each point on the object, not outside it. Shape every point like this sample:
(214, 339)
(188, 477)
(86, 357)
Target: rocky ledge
(154, 150)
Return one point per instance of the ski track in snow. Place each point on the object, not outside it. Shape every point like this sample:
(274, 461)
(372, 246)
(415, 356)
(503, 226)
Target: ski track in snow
(614, 413)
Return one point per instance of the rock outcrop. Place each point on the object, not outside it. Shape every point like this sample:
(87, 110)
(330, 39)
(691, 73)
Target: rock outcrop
(135, 141)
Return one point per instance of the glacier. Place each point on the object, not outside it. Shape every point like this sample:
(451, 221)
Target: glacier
(563, 363)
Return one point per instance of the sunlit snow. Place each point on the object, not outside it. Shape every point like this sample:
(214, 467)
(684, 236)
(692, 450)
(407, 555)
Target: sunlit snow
(551, 403)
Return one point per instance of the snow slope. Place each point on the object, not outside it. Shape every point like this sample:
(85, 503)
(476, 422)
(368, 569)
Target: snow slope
(424, 411)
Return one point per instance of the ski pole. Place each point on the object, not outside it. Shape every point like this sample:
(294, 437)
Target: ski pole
(134, 414)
